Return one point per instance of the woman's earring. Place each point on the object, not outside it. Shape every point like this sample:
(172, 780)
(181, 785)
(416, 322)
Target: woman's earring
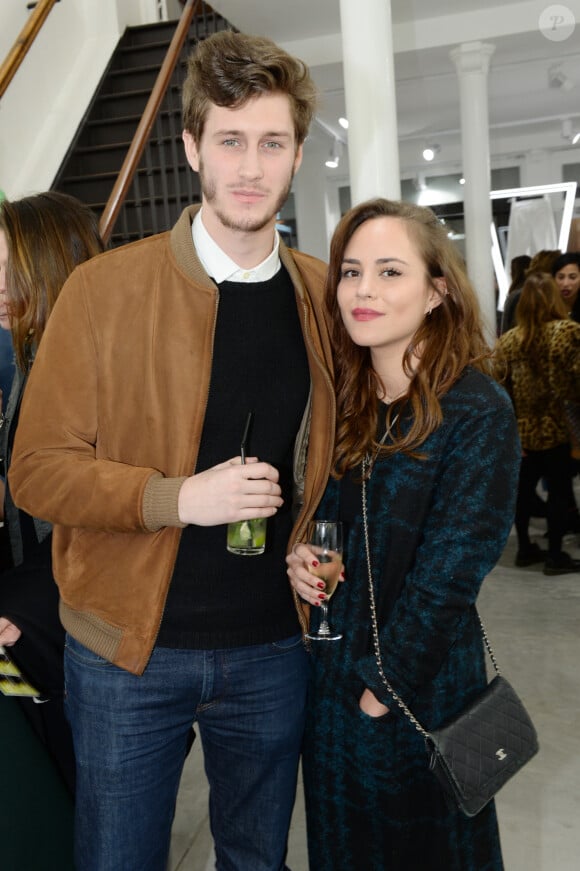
(429, 312)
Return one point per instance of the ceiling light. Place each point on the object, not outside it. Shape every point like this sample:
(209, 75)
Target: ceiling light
(461, 181)
(576, 139)
(430, 151)
(343, 123)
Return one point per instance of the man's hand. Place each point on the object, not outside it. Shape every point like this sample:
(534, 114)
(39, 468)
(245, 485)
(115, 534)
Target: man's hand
(230, 491)
(9, 633)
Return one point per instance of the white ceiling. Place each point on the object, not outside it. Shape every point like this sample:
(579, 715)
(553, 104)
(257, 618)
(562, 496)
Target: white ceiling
(525, 113)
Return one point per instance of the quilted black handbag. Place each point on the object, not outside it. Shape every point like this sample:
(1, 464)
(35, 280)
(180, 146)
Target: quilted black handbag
(482, 748)
(478, 751)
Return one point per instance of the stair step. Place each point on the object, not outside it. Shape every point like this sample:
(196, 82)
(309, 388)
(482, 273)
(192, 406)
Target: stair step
(173, 86)
(111, 146)
(154, 182)
(130, 80)
(142, 171)
(109, 157)
(109, 106)
(102, 131)
(137, 204)
(143, 34)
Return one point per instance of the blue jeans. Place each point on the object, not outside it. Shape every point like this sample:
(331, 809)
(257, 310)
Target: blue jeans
(130, 735)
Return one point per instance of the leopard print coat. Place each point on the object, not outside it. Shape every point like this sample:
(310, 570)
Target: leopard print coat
(540, 382)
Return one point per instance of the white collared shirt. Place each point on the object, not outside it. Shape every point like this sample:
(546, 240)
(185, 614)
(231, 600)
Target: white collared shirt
(220, 267)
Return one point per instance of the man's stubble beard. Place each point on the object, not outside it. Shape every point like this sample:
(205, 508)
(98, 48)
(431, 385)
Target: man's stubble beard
(250, 224)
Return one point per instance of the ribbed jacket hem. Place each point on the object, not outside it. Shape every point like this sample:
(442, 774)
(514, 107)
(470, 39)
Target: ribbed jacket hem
(99, 636)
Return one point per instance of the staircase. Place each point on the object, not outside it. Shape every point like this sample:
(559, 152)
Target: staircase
(164, 183)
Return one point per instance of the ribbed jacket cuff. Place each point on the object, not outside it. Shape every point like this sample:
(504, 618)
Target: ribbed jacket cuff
(160, 502)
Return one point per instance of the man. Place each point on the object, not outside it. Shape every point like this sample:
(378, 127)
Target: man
(129, 443)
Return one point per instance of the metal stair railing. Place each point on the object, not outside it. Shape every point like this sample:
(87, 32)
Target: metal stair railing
(135, 151)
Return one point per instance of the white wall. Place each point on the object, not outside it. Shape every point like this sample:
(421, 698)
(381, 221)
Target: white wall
(49, 94)
(13, 15)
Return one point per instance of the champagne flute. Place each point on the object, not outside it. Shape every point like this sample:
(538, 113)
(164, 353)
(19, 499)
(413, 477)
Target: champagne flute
(325, 540)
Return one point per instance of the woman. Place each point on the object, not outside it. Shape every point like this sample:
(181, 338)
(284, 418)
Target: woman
(538, 362)
(566, 272)
(438, 442)
(42, 239)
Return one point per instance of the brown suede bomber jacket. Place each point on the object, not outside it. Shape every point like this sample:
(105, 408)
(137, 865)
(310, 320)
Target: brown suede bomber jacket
(111, 423)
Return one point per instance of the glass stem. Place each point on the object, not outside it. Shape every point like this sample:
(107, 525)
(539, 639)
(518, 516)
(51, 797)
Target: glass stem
(324, 628)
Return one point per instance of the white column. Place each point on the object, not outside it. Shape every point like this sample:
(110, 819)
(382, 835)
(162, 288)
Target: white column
(313, 223)
(472, 63)
(369, 85)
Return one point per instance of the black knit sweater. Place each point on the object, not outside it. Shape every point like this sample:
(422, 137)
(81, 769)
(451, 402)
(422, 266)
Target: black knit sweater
(216, 599)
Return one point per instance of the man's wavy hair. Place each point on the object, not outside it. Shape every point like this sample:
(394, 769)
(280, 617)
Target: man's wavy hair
(228, 69)
(450, 338)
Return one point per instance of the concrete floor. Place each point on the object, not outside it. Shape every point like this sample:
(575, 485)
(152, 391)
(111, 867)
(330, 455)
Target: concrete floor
(533, 622)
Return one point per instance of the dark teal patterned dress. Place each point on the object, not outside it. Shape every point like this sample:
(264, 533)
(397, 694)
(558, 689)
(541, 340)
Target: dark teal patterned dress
(437, 527)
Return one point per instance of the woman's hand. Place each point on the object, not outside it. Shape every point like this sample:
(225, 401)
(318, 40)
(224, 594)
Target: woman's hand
(9, 633)
(369, 704)
(308, 586)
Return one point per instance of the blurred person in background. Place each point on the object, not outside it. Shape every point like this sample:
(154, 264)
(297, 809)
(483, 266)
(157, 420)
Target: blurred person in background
(518, 268)
(42, 239)
(538, 362)
(566, 272)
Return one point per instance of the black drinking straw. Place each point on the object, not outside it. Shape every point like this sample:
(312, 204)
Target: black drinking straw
(245, 436)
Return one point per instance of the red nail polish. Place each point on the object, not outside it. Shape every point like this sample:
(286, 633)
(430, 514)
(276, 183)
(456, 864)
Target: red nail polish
(314, 563)
(322, 595)
(321, 585)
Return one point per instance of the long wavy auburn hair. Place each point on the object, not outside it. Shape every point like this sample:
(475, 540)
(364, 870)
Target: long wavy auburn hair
(540, 302)
(47, 235)
(450, 338)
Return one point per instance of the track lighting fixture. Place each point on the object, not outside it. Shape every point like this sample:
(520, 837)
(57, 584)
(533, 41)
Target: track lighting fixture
(568, 131)
(557, 78)
(334, 157)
